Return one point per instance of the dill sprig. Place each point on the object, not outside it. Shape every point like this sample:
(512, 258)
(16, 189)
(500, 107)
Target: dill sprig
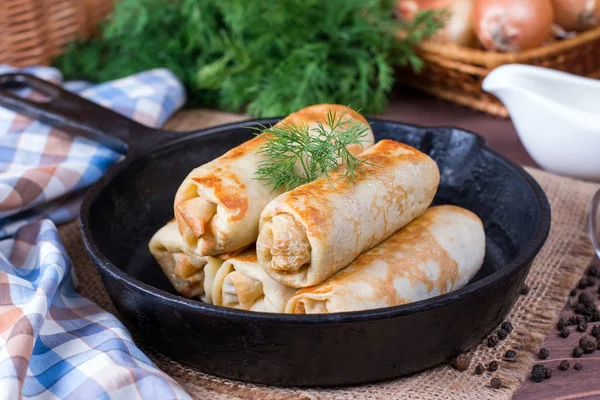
(295, 154)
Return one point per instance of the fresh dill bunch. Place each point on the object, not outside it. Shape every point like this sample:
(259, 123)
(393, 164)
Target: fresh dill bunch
(295, 154)
(266, 58)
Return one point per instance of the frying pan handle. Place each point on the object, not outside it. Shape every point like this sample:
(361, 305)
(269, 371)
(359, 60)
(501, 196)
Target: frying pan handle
(593, 222)
(78, 116)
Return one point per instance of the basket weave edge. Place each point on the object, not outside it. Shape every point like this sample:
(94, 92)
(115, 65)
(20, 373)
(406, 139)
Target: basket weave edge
(492, 59)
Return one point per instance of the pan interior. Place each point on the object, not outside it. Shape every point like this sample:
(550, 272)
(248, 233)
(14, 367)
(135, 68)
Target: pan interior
(139, 200)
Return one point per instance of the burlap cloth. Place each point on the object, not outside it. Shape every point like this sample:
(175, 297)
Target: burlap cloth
(557, 268)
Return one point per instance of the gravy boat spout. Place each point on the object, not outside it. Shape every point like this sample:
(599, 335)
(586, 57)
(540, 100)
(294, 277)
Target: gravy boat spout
(556, 114)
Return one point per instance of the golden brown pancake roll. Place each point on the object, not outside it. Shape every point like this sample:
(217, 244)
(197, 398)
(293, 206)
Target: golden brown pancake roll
(313, 231)
(190, 275)
(218, 205)
(438, 252)
(242, 283)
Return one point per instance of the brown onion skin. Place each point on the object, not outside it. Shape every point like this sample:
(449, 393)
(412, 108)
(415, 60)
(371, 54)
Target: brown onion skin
(513, 25)
(459, 27)
(577, 15)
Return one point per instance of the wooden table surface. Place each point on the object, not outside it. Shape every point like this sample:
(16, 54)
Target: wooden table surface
(412, 107)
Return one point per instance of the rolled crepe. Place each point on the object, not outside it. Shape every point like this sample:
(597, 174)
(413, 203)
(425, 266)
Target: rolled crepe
(313, 231)
(218, 205)
(242, 283)
(438, 252)
(190, 275)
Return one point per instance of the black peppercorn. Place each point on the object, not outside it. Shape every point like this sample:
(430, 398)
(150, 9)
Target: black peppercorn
(577, 352)
(580, 308)
(590, 280)
(596, 331)
(562, 323)
(538, 373)
(507, 326)
(564, 365)
(589, 312)
(582, 326)
(564, 332)
(502, 334)
(548, 373)
(492, 341)
(462, 362)
(495, 383)
(595, 316)
(525, 289)
(493, 366)
(592, 271)
(583, 283)
(578, 366)
(479, 369)
(586, 298)
(588, 343)
(586, 309)
(510, 354)
(574, 320)
(543, 354)
(573, 292)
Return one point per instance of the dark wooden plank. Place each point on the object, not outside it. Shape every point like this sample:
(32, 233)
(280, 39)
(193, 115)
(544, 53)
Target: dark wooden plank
(571, 384)
(412, 107)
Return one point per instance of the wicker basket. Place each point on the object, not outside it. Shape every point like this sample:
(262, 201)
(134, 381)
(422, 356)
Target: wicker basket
(34, 31)
(455, 73)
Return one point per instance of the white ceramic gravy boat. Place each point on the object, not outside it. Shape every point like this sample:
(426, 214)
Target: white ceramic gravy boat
(556, 114)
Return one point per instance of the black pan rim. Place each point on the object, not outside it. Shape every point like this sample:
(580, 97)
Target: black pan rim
(522, 260)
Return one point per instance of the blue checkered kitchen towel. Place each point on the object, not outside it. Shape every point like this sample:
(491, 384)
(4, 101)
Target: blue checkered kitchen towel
(55, 344)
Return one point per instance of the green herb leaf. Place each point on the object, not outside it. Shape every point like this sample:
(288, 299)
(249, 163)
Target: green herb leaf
(297, 154)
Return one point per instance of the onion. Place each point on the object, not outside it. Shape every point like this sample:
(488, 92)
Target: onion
(577, 15)
(459, 27)
(513, 25)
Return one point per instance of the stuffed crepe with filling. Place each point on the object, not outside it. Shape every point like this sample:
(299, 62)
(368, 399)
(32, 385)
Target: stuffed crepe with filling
(190, 275)
(241, 283)
(436, 253)
(218, 205)
(313, 231)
